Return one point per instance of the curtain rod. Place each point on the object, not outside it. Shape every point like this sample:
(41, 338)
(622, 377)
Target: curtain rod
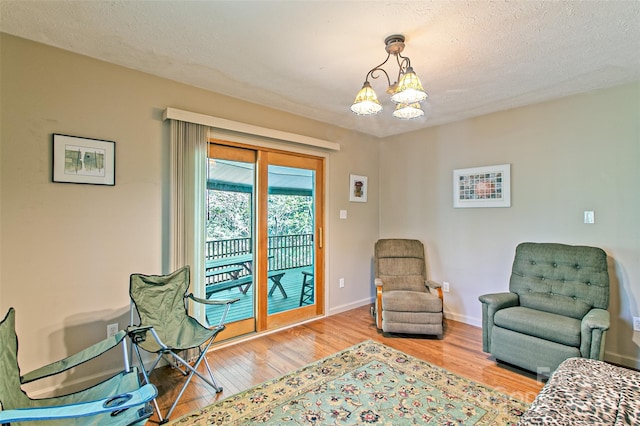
(249, 129)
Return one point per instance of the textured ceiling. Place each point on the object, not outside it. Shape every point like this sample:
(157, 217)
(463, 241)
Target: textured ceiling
(311, 57)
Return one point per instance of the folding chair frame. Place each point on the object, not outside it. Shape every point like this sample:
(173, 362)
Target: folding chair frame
(84, 403)
(139, 334)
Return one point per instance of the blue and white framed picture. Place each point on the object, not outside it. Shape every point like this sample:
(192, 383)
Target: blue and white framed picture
(487, 186)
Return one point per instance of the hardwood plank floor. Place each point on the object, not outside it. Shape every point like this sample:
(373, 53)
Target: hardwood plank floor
(245, 364)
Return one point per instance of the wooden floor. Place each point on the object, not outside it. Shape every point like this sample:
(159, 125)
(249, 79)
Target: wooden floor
(244, 364)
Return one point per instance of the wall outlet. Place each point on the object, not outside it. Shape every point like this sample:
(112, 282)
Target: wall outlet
(589, 217)
(341, 282)
(112, 329)
(445, 287)
(636, 323)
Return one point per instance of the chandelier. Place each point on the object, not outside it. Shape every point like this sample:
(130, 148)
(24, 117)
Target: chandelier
(406, 92)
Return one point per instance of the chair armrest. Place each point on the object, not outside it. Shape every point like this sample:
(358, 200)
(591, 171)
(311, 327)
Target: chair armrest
(593, 329)
(499, 301)
(491, 303)
(596, 318)
(226, 302)
(107, 405)
(212, 301)
(75, 359)
(378, 283)
(138, 334)
(437, 287)
(433, 284)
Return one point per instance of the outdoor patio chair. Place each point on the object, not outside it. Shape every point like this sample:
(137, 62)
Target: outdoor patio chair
(161, 302)
(119, 400)
(306, 292)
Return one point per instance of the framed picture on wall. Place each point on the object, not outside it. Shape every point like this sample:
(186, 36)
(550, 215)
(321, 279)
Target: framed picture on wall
(358, 188)
(83, 160)
(488, 186)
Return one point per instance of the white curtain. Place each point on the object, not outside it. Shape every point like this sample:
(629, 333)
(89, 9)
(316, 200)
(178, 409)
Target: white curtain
(188, 156)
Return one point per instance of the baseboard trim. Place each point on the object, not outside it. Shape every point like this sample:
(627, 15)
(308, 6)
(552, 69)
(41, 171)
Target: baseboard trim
(348, 306)
(463, 318)
(624, 360)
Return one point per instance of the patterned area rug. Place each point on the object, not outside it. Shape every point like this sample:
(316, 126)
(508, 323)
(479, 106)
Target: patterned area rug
(369, 383)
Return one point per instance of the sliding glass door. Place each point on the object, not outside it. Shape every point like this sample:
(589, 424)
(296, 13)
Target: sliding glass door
(263, 243)
(294, 224)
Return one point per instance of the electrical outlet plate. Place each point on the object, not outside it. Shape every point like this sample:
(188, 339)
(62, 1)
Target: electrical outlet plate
(445, 287)
(589, 217)
(112, 329)
(636, 323)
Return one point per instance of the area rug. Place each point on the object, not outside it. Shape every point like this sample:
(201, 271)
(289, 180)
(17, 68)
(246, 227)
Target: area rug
(369, 383)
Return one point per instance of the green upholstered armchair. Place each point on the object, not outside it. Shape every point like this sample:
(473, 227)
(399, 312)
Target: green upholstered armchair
(556, 307)
(406, 302)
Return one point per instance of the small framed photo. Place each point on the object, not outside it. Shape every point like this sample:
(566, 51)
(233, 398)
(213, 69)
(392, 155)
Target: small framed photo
(358, 188)
(488, 186)
(83, 160)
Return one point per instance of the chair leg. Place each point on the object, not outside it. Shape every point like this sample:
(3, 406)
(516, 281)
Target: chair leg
(184, 367)
(275, 279)
(306, 294)
(214, 384)
(194, 371)
(145, 375)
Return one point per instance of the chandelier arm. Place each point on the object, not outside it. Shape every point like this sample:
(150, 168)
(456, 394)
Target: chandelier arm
(378, 68)
(404, 63)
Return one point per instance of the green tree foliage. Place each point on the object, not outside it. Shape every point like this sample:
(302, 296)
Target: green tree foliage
(229, 215)
(290, 215)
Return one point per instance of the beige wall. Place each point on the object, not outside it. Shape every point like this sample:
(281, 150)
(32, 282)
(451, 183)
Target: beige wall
(67, 250)
(567, 156)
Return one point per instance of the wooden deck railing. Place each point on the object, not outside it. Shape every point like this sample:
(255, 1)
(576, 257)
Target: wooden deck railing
(284, 251)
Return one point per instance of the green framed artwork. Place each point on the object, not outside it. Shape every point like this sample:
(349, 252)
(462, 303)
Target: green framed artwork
(83, 160)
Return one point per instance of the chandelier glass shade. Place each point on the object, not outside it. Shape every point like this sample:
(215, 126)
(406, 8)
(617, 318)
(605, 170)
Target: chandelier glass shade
(366, 102)
(407, 91)
(408, 111)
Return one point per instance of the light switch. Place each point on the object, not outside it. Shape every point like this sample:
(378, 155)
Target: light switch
(589, 216)
(343, 214)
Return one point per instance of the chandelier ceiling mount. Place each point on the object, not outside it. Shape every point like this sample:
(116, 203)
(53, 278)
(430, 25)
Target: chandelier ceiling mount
(394, 44)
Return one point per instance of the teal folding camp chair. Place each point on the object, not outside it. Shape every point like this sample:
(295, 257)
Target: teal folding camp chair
(161, 302)
(119, 400)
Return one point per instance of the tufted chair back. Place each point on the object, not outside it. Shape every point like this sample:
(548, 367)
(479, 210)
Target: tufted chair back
(560, 279)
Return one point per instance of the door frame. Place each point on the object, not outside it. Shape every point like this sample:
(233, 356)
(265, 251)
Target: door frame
(263, 321)
(269, 322)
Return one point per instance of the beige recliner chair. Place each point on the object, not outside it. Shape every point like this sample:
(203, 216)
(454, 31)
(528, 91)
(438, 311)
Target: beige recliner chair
(406, 302)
